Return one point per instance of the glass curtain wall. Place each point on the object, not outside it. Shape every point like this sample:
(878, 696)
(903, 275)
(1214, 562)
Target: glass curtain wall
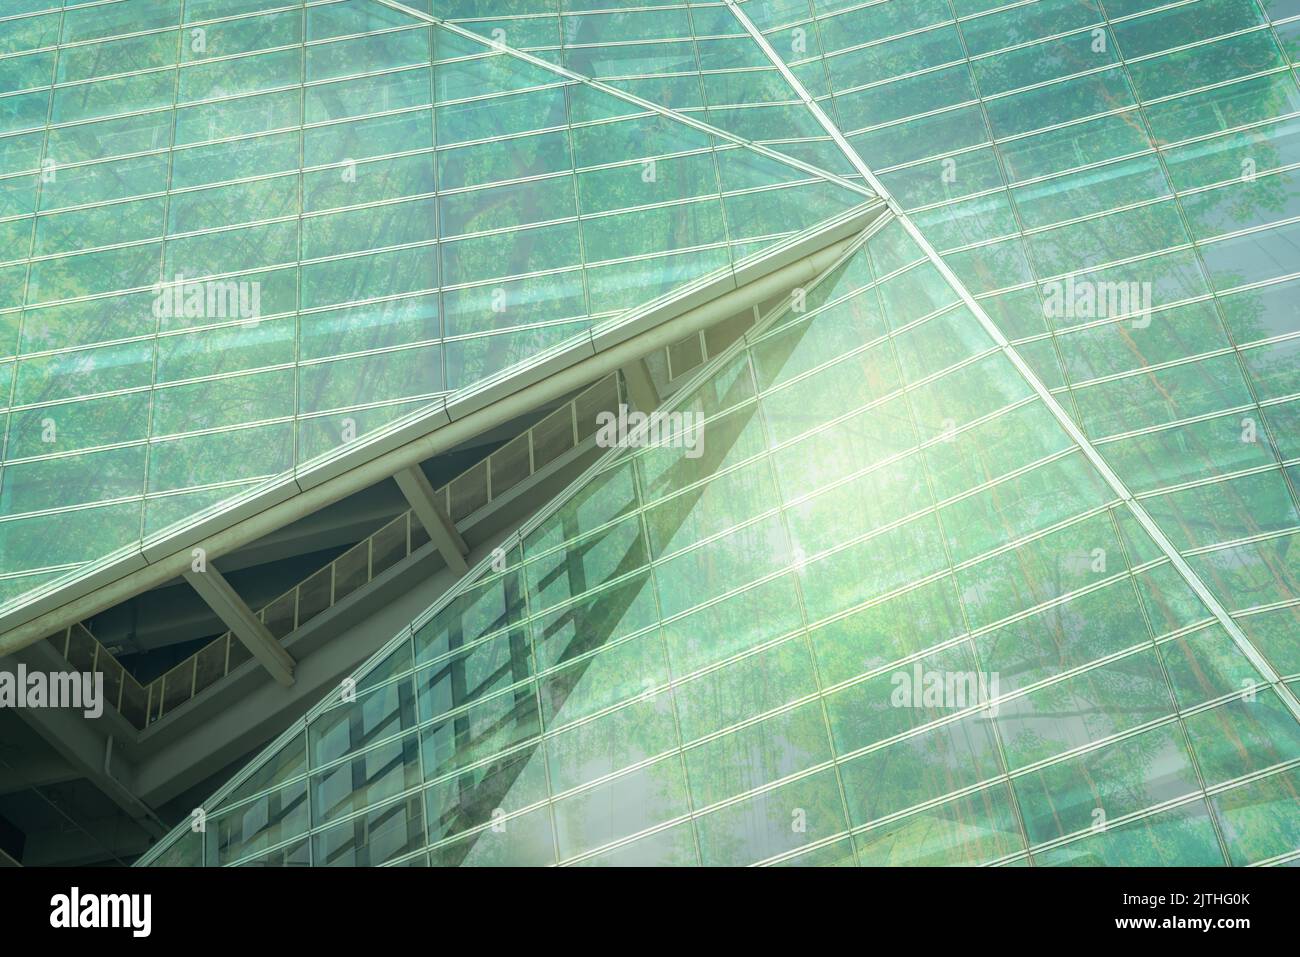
(871, 605)
(238, 237)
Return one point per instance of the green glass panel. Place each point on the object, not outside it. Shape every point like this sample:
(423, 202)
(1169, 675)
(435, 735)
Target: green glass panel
(1248, 734)
(1259, 820)
(967, 831)
(1086, 792)
(1182, 835)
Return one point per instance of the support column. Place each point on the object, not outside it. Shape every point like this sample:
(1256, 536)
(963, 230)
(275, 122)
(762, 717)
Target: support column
(641, 389)
(415, 486)
(243, 624)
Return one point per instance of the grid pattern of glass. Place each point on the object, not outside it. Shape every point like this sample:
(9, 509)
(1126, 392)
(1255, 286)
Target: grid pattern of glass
(692, 58)
(890, 613)
(1115, 182)
(239, 236)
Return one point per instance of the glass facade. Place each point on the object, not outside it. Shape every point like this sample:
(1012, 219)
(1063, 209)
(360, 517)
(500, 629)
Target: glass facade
(880, 610)
(240, 238)
(991, 551)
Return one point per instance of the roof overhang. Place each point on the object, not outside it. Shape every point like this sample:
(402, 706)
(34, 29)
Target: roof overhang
(442, 426)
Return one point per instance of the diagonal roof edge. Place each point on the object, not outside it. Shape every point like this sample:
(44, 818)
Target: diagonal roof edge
(566, 73)
(1095, 459)
(58, 578)
(429, 432)
(608, 332)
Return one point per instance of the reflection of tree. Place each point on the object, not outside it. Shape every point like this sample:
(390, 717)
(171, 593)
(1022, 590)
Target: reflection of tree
(1182, 835)
(1226, 514)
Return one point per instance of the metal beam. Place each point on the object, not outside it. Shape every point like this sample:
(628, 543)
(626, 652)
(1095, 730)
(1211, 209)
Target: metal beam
(186, 747)
(641, 388)
(243, 624)
(419, 492)
(84, 743)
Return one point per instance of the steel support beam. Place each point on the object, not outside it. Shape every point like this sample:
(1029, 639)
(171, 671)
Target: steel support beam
(419, 492)
(244, 712)
(243, 624)
(641, 389)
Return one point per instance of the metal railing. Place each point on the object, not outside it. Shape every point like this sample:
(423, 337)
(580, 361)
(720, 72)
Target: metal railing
(85, 653)
(560, 431)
